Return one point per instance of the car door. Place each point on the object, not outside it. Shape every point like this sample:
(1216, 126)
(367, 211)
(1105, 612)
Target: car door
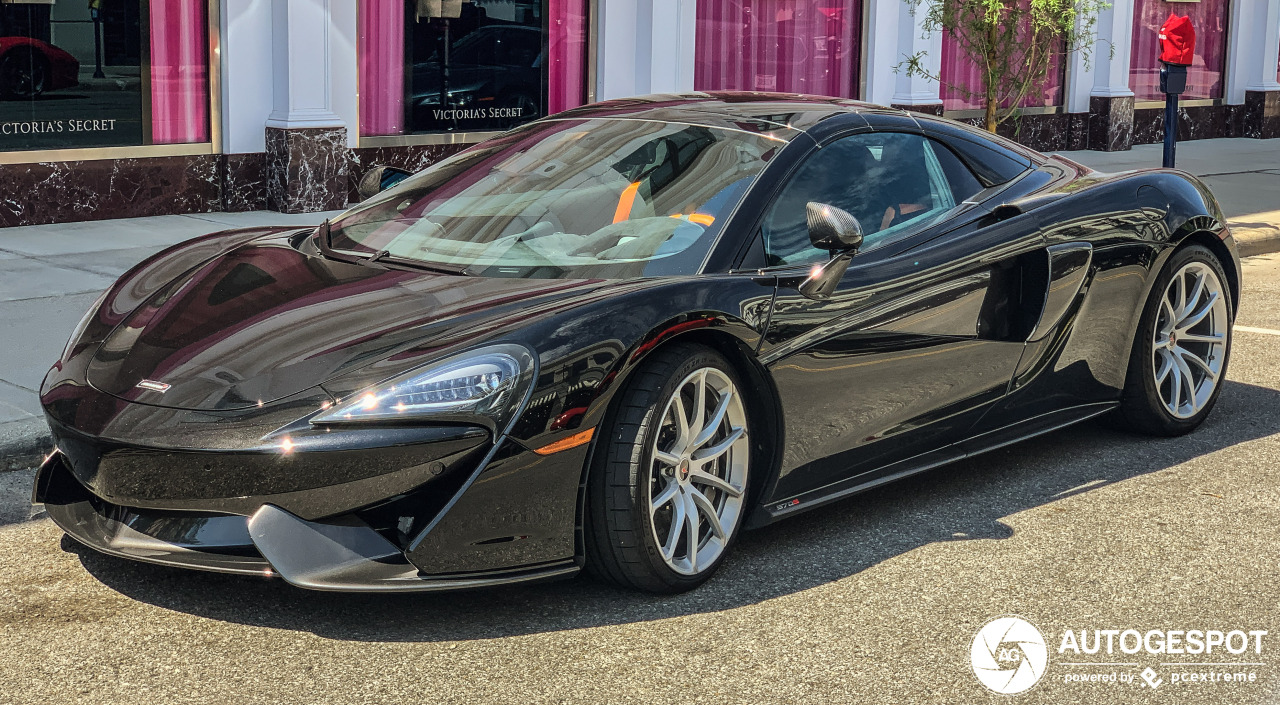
(925, 328)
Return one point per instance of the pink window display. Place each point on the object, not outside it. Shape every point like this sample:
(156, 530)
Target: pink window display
(789, 46)
(567, 54)
(380, 28)
(179, 71)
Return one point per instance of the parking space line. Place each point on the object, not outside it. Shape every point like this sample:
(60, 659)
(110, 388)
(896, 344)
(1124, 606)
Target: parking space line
(1251, 329)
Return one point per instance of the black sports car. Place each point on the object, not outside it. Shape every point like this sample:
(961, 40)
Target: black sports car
(615, 337)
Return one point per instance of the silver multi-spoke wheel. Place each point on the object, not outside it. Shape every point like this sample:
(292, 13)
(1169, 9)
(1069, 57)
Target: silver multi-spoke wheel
(669, 492)
(698, 472)
(1190, 339)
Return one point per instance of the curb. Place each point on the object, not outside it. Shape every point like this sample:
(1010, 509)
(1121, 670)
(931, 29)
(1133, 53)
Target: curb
(1257, 233)
(23, 444)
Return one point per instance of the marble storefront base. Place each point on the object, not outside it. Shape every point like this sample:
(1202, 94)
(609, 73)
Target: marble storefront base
(1045, 133)
(1077, 131)
(60, 192)
(63, 192)
(306, 169)
(1113, 125)
(1042, 132)
(1260, 114)
(1110, 123)
(1197, 122)
(244, 182)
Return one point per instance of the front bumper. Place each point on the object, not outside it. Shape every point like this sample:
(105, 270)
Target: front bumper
(342, 553)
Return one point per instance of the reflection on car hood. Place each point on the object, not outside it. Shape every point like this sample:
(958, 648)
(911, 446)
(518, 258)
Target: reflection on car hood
(265, 321)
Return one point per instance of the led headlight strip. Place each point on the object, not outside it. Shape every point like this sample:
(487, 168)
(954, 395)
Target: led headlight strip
(482, 382)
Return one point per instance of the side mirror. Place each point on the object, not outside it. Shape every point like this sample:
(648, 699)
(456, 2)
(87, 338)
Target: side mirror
(823, 278)
(380, 178)
(832, 229)
(837, 232)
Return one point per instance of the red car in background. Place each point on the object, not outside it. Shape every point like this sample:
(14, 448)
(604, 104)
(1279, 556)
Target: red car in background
(29, 67)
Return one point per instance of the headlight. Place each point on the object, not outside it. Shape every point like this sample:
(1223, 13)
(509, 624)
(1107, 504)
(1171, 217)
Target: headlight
(488, 383)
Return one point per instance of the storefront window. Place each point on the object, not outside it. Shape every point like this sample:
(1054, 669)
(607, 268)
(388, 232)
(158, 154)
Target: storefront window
(962, 81)
(1204, 76)
(468, 65)
(103, 73)
(789, 46)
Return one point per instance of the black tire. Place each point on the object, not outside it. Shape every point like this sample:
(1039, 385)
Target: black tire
(1142, 408)
(620, 542)
(23, 75)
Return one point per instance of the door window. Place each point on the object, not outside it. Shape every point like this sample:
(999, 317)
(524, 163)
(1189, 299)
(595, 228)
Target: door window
(893, 183)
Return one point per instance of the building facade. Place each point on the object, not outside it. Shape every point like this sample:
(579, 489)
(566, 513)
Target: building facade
(120, 108)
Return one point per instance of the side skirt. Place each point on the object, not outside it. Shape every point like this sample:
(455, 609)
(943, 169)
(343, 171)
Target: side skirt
(991, 440)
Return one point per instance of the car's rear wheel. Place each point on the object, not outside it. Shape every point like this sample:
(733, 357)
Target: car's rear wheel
(1180, 355)
(668, 490)
(22, 74)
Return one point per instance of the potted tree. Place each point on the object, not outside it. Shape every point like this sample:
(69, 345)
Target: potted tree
(1012, 42)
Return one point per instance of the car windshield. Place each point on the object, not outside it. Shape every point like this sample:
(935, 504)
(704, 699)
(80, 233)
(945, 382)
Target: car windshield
(596, 198)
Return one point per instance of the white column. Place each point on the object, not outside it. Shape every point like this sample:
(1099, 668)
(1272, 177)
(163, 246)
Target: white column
(671, 38)
(645, 46)
(1080, 77)
(343, 67)
(302, 49)
(894, 33)
(246, 78)
(618, 50)
(1110, 59)
(1270, 29)
(1253, 43)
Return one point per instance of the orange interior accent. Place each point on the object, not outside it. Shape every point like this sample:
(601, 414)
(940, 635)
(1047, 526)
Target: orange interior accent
(625, 201)
(573, 441)
(700, 218)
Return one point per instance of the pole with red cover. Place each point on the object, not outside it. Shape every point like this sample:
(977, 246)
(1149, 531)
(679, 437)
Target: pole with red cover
(1177, 47)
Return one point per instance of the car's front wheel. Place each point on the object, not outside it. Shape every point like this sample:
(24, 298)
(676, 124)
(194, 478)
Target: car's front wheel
(668, 490)
(22, 74)
(1179, 359)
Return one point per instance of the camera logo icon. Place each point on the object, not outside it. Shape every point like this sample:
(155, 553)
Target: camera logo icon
(1009, 655)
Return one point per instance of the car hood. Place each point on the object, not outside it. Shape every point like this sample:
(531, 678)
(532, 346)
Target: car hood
(265, 321)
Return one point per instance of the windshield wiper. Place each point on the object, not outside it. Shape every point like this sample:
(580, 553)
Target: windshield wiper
(324, 239)
(385, 257)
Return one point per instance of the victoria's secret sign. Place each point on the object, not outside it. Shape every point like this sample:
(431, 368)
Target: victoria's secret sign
(476, 114)
(41, 127)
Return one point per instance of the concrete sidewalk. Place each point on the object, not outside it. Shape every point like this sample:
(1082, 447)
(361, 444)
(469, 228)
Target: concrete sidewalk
(49, 274)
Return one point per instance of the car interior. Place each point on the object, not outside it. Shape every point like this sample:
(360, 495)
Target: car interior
(892, 183)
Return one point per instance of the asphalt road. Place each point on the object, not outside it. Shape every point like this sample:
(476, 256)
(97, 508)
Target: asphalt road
(873, 600)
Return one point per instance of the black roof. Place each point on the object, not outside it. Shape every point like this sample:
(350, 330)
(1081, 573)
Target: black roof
(786, 115)
(782, 114)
